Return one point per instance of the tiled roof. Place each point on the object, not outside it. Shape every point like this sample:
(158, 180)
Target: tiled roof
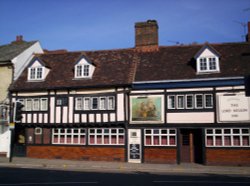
(123, 67)
(178, 63)
(10, 51)
(112, 69)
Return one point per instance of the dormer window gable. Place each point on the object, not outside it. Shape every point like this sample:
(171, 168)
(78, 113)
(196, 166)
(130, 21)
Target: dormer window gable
(37, 71)
(207, 61)
(83, 68)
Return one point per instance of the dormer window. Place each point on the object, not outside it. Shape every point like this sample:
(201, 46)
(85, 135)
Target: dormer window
(36, 73)
(207, 60)
(208, 64)
(84, 69)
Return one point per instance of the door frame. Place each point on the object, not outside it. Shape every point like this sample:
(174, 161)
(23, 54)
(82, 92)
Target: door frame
(196, 145)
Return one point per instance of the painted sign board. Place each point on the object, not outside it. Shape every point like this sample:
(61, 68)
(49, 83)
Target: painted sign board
(146, 109)
(234, 108)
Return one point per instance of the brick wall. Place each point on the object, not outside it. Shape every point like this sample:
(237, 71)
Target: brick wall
(238, 157)
(157, 155)
(77, 153)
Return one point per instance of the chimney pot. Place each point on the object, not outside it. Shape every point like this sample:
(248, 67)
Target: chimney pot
(19, 38)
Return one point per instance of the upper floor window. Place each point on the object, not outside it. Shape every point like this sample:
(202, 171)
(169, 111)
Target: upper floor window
(82, 71)
(207, 60)
(36, 73)
(84, 68)
(95, 103)
(190, 101)
(34, 104)
(208, 64)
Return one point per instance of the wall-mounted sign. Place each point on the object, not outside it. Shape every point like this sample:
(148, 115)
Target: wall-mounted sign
(234, 107)
(134, 151)
(146, 109)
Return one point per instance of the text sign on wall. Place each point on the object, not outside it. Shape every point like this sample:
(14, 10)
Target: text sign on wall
(234, 108)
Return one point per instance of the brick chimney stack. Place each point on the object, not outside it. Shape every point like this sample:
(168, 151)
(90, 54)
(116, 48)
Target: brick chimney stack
(248, 32)
(146, 36)
(19, 39)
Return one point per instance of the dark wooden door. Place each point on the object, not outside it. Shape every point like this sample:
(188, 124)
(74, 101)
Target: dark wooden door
(191, 146)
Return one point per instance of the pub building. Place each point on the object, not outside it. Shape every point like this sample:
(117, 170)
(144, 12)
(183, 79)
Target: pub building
(146, 104)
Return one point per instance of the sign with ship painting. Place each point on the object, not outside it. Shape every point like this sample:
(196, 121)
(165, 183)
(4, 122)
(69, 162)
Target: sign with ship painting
(146, 109)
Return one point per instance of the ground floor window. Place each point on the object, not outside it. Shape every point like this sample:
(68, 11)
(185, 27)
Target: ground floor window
(228, 137)
(160, 137)
(106, 136)
(72, 136)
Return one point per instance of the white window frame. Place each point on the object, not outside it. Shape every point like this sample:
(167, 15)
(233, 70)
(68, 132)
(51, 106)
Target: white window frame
(82, 71)
(119, 132)
(171, 102)
(36, 104)
(86, 103)
(208, 64)
(160, 134)
(205, 101)
(29, 105)
(223, 134)
(186, 97)
(195, 100)
(111, 102)
(66, 132)
(102, 103)
(44, 104)
(79, 103)
(177, 101)
(35, 76)
(38, 131)
(92, 103)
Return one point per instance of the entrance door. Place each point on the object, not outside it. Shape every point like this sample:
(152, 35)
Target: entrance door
(191, 146)
(134, 146)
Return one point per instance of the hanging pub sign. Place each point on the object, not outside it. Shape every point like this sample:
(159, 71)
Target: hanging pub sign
(234, 108)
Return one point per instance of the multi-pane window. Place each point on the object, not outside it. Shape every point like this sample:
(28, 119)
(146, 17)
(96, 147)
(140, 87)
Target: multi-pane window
(199, 101)
(82, 71)
(95, 103)
(36, 73)
(203, 63)
(228, 137)
(212, 63)
(69, 136)
(208, 64)
(86, 70)
(160, 137)
(190, 101)
(106, 136)
(34, 104)
(180, 102)
(171, 102)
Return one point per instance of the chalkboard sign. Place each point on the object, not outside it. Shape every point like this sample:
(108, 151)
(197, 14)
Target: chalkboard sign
(134, 151)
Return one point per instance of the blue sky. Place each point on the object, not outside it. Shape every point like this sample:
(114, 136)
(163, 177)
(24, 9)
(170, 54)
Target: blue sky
(109, 24)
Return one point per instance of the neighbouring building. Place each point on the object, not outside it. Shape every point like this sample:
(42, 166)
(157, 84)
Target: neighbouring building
(150, 103)
(14, 57)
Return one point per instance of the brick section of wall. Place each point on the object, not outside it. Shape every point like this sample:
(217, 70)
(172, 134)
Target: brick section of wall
(77, 153)
(238, 157)
(155, 155)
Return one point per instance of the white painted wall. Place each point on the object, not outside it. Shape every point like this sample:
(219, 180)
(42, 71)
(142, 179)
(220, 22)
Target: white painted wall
(22, 60)
(191, 117)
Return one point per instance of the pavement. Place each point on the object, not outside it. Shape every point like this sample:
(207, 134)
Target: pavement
(121, 167)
